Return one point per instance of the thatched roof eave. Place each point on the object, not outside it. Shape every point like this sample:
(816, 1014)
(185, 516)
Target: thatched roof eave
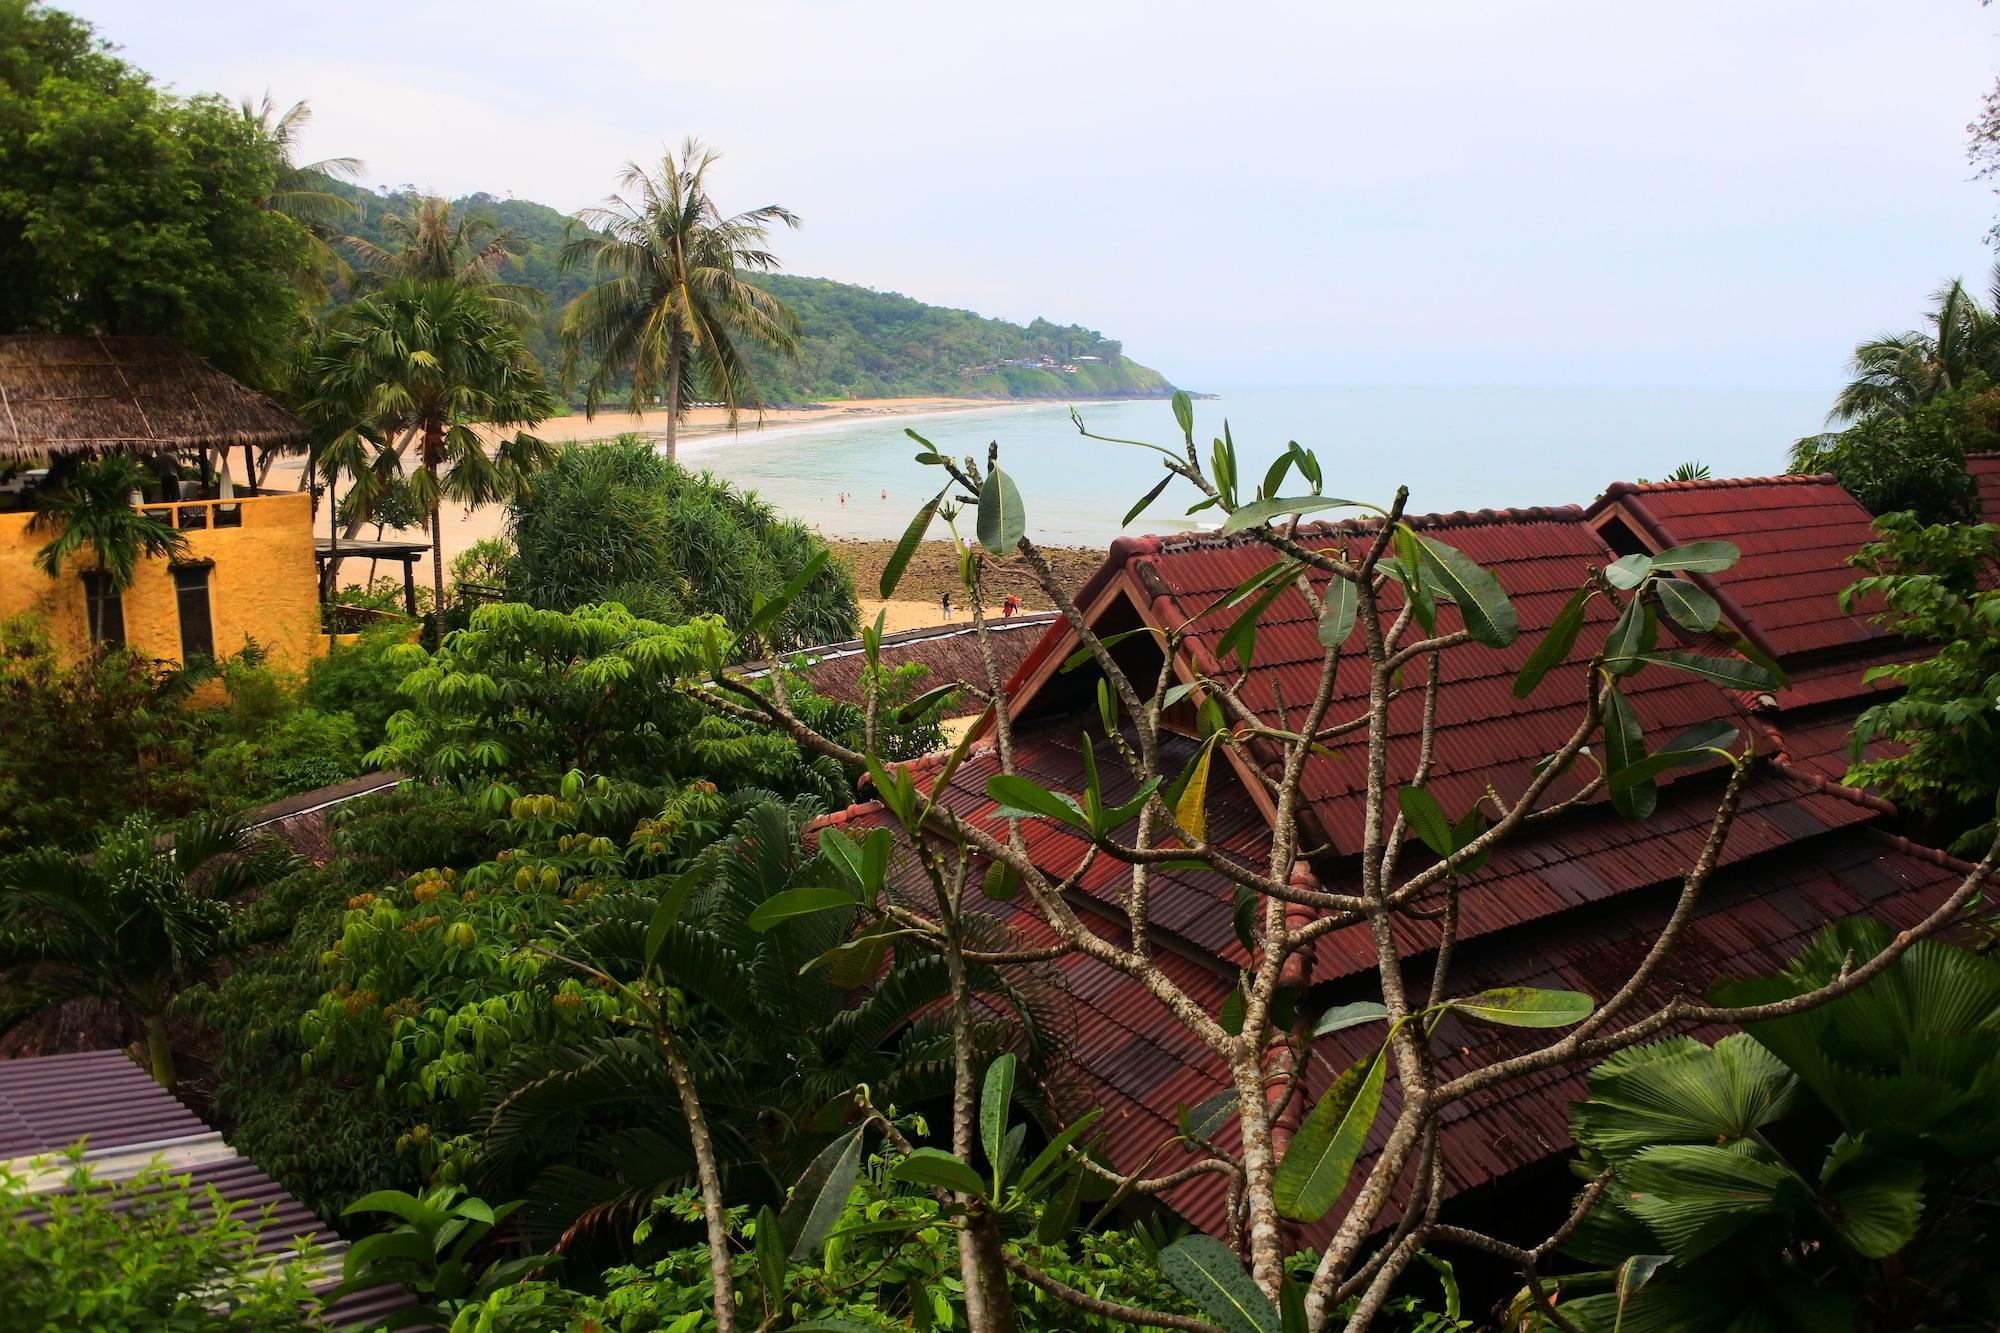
(93, 394)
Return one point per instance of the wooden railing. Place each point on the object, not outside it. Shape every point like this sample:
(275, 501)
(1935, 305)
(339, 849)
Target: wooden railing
(191, 515)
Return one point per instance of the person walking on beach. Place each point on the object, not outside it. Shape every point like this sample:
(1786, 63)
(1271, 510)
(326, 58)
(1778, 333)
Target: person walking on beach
(1009, 605)
(945, 602)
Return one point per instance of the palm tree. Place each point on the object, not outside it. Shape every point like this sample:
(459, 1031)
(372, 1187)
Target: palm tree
(1895, 373)
(670, 304)
(131, 922)
(429, 359)
(433, 243)
(93, 512)
(298, 192)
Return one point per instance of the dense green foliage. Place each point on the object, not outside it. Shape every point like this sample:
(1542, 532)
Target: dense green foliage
(1894, 462)
(853, 341)
(98, 738)
(146, 912)
(1828, 1169)
(144, 1255)
(124, 209)
(1938, 585)
(619, 523)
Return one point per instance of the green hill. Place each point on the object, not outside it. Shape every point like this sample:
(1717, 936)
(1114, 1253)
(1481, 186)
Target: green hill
(855, 342)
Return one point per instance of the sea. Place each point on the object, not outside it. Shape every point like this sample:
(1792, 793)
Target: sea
(1455, 448)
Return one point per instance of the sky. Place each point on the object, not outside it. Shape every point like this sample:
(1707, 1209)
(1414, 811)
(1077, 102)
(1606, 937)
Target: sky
(1457, 192)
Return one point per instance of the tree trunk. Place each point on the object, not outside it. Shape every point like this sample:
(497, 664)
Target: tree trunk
(1260, 1169)
(437, 568)
(329, 579)
(673, 393)
(989, 1305)
(158, 1054)
(714, 1210)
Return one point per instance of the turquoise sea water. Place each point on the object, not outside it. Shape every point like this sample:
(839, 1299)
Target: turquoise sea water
(1454, 449)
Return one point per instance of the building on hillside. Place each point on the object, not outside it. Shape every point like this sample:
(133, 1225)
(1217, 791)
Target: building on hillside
(1572, 902)
(248, 575)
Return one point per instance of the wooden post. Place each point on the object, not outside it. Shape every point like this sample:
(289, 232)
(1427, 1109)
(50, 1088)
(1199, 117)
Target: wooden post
(409, 585)
(249, 469)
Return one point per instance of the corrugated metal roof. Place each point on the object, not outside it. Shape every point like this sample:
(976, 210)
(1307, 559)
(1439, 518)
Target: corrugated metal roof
(126, 1121)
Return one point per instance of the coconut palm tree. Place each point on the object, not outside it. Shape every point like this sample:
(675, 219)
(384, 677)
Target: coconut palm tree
(429, 359)
(434, 243)
(1896, 372)
(132, 922)
(298, 192)
(669, 303)
(93, 513)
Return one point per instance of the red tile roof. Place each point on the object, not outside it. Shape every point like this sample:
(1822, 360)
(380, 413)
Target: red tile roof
(1796, 534)
(1985, 470)
(1484, 734)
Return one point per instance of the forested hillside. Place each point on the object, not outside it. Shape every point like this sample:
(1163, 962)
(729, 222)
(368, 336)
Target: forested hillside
(855, 342)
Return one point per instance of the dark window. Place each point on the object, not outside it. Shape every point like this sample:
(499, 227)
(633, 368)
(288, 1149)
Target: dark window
(197, 628)
(103, 608)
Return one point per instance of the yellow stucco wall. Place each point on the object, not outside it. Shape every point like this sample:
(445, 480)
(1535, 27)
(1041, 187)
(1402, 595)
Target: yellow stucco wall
(262, 586)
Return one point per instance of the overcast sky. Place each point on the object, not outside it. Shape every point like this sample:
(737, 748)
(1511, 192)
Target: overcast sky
(1457, 192)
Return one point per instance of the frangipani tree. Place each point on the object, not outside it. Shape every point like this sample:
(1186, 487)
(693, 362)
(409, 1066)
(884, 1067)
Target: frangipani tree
(1375, 594)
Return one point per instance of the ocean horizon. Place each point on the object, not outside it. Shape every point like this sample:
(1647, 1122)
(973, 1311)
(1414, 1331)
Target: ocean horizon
(1466, 448)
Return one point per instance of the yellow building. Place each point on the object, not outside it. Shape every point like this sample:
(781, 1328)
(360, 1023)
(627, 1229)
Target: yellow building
(247, 574)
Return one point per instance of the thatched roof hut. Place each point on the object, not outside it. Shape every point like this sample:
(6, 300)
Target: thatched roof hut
(62, 394)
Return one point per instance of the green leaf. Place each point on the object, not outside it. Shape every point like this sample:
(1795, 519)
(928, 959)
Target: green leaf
(1872, 1199)
(924, 702)
(399, 1204)
(1230, 1016)
(1274, 476)
(1049, 1158)
(1241, 636)
(938, 1169)
(1003, 520)
(1083, 654)
(1204, 1119)
(994, 1101)
(1263, 511)
(1184, 412)
(788, 903)
(1023, 798)
(769, 614)
(1000, 882)
(1407, 569)
(1698, 744)
(1114, 817)
(1628, 572)
(1203, 1270)
(1732, 672)
(1698, 557)
(1336, 617)
(669, 911)
(1483, 605)
(1344, 1016)
(1624, 746)
(821, 1195)
(1553, 650)
(1695, 1196)
(1145, 500)
(1322, 1154)
(770, 1255)
(1629, 638)
(1060, 1213)
(906, 545)
(1688, 606)
(1633, 1274)
(1224, 466)
(1526, 1007)
(1426, 819)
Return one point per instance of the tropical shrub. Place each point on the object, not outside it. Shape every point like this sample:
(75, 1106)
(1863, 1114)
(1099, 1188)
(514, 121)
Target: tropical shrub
(522, 696)
(145, 914)
(144, 1253)
(1914, 462)
(1831, 1168)
(1938, 585)
(617, 522)
(360, 679)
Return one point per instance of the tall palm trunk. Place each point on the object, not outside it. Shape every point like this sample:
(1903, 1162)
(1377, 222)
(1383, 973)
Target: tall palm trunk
(158, 1054)
(329, 583)
(673, 393)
